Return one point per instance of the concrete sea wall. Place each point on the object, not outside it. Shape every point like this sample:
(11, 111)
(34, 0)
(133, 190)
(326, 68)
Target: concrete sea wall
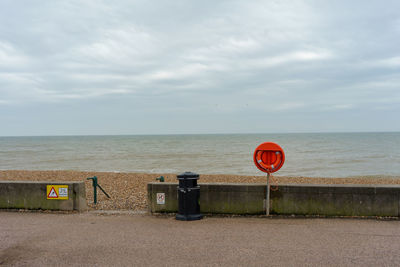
(326, 200)
(34, 195)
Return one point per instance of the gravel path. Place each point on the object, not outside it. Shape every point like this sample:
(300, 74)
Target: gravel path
(128, 190)
(88, 239)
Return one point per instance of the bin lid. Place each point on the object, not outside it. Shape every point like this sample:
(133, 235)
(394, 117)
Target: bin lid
(188, 175)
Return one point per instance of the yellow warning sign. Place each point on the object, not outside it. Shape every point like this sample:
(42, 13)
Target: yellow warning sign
(57, 192)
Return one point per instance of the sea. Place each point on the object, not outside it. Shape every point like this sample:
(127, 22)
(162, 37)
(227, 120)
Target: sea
(307, 154)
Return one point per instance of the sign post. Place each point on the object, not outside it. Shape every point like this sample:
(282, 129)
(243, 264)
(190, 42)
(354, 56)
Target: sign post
(268, 157)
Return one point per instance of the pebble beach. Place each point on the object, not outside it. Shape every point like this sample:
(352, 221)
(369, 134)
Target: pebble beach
(128, 191)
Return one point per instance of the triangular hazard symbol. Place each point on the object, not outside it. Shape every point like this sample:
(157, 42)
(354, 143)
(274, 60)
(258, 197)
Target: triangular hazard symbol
(52, 193)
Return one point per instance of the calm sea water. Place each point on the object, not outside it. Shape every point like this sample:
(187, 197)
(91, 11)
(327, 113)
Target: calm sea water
(316, 154)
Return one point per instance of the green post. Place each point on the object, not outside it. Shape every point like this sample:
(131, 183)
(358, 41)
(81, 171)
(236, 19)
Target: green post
(161, 179)
(95, 185)
(94, 180)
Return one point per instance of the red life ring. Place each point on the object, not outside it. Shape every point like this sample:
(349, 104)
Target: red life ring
(269, 157)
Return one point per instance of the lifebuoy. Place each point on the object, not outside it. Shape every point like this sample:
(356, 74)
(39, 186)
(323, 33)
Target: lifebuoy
(269, 157)
(273, 161)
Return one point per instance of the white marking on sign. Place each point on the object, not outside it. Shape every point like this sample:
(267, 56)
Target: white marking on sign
(52, 193)
(161, 198)
(63, 192)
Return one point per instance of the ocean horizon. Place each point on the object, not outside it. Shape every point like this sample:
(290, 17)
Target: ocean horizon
(168, 134)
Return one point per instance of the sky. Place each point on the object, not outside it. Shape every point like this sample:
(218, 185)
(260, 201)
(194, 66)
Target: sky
(185, 67)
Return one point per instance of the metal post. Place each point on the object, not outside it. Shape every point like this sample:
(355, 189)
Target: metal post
(268, 195)
(95, 189)
(95, 185)
(105, 193)
(161, 179)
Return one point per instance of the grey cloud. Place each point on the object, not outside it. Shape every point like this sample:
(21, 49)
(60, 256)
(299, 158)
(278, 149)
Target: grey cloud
(208, 60)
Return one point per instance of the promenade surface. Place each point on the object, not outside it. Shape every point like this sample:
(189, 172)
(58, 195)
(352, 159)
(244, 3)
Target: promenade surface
(46, 239)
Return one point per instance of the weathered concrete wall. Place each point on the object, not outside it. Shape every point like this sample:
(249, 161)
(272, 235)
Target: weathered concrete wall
(232, 198)
(336, 200)
(214, 198)
(33, 195)
(171, 197)
(329, 200)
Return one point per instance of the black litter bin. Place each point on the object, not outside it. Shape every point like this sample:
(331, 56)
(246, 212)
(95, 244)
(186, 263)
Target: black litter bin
(188, 197)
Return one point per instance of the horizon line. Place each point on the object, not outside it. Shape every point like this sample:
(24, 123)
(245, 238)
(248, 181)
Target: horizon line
(170, 134)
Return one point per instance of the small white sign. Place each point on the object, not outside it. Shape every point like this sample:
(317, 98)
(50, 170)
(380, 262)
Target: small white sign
(63, 192)
(160, 198)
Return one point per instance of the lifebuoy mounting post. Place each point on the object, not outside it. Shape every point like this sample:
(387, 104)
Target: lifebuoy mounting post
(268, 157)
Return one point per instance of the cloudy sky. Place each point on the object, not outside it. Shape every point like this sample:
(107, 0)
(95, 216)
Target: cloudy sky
(164, 67)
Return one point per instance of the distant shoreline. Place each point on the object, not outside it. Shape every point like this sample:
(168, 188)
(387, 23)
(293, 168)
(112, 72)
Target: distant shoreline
(194, 134)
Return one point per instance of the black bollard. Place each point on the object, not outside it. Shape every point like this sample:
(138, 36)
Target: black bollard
(188, 197)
